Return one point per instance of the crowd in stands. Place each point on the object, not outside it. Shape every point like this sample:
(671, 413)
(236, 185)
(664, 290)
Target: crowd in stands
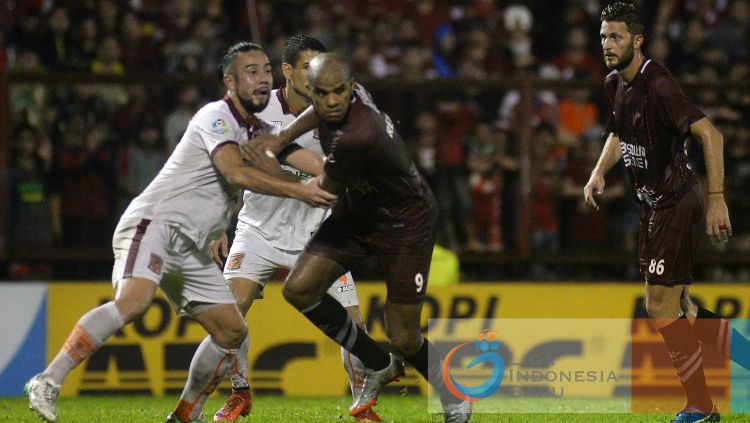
(80, 152)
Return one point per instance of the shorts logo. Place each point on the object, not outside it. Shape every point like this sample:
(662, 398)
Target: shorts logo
(343, 279)
(155, 264)
(235, 261)
(220, 127)
(345, 288)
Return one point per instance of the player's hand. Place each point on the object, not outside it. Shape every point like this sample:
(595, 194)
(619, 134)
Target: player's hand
(261, 144)
(718, 226)
(312, 193)
(595, 186)
(261, 159)
(219, 249)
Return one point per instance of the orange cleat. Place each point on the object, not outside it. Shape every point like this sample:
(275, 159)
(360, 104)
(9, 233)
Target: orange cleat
(369, 415)
(240, 403)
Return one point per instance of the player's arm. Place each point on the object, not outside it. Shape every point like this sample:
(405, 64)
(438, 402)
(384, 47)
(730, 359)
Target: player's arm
(267, 163)
(305, 160)
(718, 226)
(275, 142)
(611, 154)
(227, 160)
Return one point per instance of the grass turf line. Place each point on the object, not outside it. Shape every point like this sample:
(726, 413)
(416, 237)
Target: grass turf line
(278, 409)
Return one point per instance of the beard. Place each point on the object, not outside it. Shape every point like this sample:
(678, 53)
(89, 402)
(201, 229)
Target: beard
(251, 107)
(626, 58)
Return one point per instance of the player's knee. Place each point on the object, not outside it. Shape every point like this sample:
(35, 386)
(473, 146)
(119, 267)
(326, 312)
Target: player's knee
(406, 344)
(231, 335)
(297, 295)
(131, 308)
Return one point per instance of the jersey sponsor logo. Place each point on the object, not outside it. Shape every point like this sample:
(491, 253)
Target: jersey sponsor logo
(235, 261)
(345, 288)
(388, 125)
(634, 155)
(219, 127)
(155, 264)
(363, 188)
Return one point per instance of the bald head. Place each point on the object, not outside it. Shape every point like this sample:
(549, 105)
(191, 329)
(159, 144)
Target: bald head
(329, 65)
(330, 82)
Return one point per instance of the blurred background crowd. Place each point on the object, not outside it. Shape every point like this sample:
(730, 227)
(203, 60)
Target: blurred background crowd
(80, 151)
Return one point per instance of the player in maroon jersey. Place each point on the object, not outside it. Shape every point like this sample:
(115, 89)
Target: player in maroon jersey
(649, 119)
(385, 209)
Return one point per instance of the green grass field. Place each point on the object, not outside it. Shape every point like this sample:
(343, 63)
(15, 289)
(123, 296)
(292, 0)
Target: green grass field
(272, 409)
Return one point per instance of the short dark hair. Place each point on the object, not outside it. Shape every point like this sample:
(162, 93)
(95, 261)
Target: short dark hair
(298, 44)
(624, 12)
(233, 51)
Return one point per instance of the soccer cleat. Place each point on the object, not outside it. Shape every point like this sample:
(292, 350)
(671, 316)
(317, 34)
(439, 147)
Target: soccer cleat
(240, 403)
(43, 394)
(172, 418)
(694, 415)
(374, 380)
(457, 413)
(368, 415)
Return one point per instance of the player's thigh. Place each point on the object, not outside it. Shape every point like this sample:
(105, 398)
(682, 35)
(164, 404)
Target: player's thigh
(133, 297)
(245, 291)
(312, 276)
(406, 260)
(669, 240)
(344, 291)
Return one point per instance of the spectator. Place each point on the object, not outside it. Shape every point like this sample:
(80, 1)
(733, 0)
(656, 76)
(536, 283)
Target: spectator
(56, 43)
(107, 61)
(83, 49)
(576, 60)
(141, 161)
(82, 172)
(31, 222)
(139, 53)
(177, 120)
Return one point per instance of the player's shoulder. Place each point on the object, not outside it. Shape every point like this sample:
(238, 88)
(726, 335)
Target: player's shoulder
(658, 77)
(217, 116)
(274, 112)
(612, 79)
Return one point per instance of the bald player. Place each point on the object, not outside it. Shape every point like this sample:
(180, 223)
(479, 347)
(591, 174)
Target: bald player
(385, 209)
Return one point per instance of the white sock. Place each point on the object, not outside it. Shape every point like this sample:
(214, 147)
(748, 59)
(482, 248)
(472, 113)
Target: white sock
(209, 366)
(238, 372)
(87, 336)
(355, 371)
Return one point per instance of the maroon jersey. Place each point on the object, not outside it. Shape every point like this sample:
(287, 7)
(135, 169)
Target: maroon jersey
(367, 155)
(652, 118)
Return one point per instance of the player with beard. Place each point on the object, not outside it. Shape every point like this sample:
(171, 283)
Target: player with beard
(649, 120)
(272, 231)
(162, 239)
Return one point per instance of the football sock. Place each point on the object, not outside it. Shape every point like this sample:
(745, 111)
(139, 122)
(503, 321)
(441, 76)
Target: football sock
(355, 371)
(431, 371)
(238, 371)
(717, 333)
(209, 366)
(87, 336)
(331, 317)
(687, 358)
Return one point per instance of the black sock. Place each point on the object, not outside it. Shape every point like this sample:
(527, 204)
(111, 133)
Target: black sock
(431, 371)
(331, 317)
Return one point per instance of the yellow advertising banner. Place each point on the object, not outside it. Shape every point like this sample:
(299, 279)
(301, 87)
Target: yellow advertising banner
(288, 355)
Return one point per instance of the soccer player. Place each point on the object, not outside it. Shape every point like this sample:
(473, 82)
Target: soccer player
(386, 209)
(162, 239)
(272, 231)
(649, 119)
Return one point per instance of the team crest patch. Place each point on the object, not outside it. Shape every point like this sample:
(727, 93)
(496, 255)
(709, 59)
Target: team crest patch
(155, 264)
(235, 261)
(220, 127)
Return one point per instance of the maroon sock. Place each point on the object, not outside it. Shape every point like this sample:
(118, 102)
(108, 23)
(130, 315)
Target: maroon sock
(713, 331)
(687, 358)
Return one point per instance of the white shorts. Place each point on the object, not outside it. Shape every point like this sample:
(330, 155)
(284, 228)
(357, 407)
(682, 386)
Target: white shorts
(164, 255)
(252, 257)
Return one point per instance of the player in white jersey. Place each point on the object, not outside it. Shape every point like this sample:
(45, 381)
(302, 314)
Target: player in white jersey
(162, 239)
(273, 231)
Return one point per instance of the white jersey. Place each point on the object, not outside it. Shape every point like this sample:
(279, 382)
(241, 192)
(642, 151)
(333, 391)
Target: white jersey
(286, 223)
(189, 192)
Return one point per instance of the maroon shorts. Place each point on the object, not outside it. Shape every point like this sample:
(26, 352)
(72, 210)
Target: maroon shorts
(669, 239)
(404, 250)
